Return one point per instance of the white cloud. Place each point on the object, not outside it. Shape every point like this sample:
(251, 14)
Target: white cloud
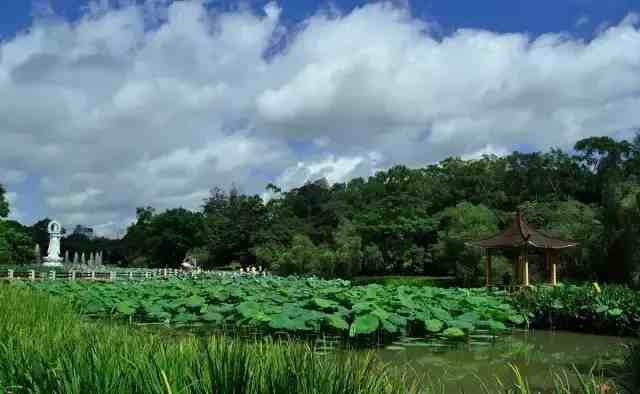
(11, 176)
(155, 104)
(14, 212)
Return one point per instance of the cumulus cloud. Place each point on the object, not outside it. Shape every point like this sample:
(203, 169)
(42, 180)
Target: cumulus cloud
(154, 104)
(14, 213)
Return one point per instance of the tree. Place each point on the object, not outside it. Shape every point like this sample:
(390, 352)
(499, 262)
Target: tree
(16, 246)
(171, 234)
(233, 224)
(571, 220)
(464, 222)
(606, 159)
(4, 204)
(348, 254)
(617, 249)
(134, 243)
(39, 232)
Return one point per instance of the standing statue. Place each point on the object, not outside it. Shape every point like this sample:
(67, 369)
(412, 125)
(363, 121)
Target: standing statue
(53, 259)
(36, 254)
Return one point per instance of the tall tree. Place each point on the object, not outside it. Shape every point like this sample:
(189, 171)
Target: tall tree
(4, 204)
(233, 224)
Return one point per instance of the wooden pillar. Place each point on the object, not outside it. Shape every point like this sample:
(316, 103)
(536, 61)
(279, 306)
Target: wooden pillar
(488, 269)
(525, 268)
(552, 259)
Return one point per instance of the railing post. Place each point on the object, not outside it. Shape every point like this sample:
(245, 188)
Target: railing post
(146, 274)
(53, 275)
(10, 274)
(73, 275)
(32, 275)
(130, 275)
(112, 276)
(164, 273)
(93, 275)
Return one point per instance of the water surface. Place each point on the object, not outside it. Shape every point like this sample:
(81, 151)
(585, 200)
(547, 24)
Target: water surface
(537, 354)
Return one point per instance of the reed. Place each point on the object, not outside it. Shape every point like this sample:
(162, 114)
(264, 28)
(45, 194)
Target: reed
(47, 348)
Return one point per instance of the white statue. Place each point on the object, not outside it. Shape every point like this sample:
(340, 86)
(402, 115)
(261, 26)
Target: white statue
(53, 259)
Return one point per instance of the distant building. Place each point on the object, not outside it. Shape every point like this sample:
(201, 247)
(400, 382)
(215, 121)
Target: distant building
(84, 230)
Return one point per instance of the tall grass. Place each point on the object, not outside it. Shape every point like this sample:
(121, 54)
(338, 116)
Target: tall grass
(46, 348)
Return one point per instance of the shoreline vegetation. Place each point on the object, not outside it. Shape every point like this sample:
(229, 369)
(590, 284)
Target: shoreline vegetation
(50, 348)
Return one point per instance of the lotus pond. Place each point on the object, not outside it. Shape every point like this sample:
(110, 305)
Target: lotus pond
(455, 336)
(297, 306)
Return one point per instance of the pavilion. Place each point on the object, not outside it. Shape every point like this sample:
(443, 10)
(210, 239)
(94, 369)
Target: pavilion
(523, 239)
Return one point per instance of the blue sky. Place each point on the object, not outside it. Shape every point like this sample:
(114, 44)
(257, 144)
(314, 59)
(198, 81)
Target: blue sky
(580, 17)
(104, 115)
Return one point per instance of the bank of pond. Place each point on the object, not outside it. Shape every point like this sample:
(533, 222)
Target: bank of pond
(196, 336)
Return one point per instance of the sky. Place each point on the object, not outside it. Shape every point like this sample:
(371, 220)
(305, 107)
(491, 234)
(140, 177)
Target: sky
(110, 105)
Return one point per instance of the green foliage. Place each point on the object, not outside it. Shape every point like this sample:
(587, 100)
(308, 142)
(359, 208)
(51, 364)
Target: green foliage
(164, 238)
(233, 224)
(570, 220)
(16, 246)
(48, 349)
(290, 304)
(613, 310)
(4, 204)
(372, 260)
(459, 224)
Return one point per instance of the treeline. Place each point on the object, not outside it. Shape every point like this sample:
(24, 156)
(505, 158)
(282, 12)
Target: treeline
(415, 220)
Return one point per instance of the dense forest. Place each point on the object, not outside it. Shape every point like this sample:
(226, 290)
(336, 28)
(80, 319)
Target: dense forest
(399, 221)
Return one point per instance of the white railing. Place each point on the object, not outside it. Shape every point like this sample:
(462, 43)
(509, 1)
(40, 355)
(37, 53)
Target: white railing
(111, 276)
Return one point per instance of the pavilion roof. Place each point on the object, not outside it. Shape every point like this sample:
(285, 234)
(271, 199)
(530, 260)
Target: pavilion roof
(520, 233)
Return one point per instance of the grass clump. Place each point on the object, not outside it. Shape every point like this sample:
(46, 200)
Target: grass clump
(48, 348)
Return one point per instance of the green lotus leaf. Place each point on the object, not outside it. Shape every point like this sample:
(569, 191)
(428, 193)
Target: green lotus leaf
(126, 308)
(336, 321)
(365, 324)
(453, 332)
(433, 325)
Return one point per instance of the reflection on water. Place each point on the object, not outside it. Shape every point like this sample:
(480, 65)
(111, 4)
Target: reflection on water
(538, 354)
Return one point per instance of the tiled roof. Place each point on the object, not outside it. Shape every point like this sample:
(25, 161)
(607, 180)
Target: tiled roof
(521, 233)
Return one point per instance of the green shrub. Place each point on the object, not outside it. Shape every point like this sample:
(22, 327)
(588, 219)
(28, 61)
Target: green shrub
(609, 309)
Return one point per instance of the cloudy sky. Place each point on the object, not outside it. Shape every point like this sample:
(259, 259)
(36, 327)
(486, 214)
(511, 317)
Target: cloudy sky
(110, 105)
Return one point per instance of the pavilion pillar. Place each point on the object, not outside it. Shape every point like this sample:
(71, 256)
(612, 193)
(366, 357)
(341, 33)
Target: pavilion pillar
(525, 269)
(552, 259)
(488, 269)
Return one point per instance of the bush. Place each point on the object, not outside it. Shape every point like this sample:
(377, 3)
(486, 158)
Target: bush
(612, 310)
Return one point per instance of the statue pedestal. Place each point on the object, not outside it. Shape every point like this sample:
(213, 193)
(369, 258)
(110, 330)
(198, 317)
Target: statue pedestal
(52, 262)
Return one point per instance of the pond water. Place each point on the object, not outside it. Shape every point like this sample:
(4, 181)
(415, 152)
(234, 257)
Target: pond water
(537, 354)
(459, 367)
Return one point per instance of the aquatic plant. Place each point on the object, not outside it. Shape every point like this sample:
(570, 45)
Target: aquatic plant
(48, 348)
(602, 309)
(296, 305)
